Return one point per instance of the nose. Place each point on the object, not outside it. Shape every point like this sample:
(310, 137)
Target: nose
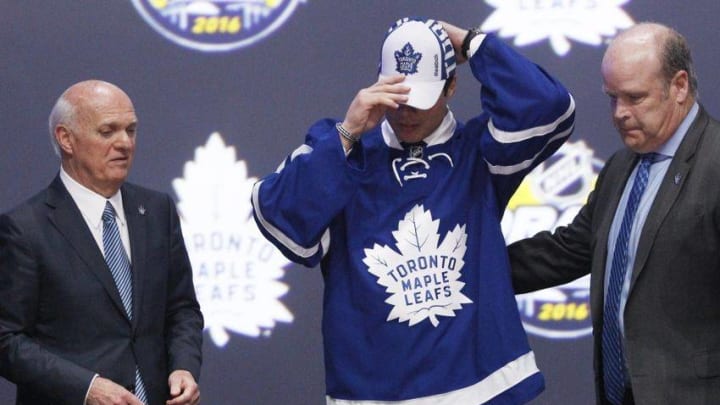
(619, 110)
(406, 109)
(124, 139)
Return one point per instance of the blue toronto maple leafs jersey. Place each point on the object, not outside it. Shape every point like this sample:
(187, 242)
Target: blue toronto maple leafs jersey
(418, 302)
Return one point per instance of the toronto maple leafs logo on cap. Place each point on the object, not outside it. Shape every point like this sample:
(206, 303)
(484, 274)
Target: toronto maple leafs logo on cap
(407, 60)
(421, 50)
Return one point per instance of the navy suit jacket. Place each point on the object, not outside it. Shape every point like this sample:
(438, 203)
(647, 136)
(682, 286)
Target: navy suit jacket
(61, 317)
(672, 315)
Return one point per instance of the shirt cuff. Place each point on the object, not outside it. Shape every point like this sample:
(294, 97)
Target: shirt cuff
(89, 386)
(475, 44)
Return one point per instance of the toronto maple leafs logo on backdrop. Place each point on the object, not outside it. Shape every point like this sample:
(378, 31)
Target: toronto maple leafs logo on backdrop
(237, 273)
(407, 60)
(422, 275)
(586, 21)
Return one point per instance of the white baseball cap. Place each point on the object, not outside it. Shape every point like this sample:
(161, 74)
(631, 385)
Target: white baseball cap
(421, 50)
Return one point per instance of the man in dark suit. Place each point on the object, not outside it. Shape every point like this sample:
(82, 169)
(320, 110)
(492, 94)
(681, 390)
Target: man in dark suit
(653, 254)
(98, 304)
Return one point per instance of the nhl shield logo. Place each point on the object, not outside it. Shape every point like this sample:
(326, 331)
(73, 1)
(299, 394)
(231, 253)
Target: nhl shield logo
(407, 60)
(415, 151)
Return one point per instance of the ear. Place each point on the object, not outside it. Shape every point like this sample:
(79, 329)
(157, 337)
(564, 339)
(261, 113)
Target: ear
(63, 137)
(681, 84)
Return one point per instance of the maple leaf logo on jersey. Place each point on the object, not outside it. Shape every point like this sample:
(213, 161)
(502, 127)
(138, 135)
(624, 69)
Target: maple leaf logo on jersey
(586, 21)
(423, 275)
(236, 271)
(407, 60)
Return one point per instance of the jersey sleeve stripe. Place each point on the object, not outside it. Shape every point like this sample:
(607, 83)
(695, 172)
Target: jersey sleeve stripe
(519, 136)
(512, 169)
(281, 237)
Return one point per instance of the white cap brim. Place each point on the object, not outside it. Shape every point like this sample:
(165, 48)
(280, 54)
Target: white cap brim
(423, 95)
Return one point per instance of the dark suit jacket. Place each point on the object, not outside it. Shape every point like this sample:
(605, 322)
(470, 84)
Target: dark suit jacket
(61, 317)
(672, 315)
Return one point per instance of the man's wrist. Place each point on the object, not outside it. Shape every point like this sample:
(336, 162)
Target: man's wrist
(465, 47)
(345, 133)
(87, 393)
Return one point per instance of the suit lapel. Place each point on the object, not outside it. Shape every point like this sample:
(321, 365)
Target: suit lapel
(67, 219)
(669, 190)
(135, 215)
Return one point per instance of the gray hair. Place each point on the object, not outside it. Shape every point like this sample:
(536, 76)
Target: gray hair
(675, 56)
(62, 113)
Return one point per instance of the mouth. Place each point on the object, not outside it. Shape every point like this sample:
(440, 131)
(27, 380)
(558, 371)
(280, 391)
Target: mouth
(123, 160)
(406, 126)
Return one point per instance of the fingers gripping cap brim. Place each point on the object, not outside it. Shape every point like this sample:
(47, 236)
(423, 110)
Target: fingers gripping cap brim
(423, 95)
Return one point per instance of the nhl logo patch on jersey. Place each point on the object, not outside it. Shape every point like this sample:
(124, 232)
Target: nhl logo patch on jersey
(415, 151)
(407, 60)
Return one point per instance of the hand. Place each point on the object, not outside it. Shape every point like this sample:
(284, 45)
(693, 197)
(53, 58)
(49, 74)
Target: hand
(457, 35)
(369, 105)
(183, 389)
(106, 392)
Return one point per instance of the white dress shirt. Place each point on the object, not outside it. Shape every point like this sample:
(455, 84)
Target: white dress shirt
(92, 205)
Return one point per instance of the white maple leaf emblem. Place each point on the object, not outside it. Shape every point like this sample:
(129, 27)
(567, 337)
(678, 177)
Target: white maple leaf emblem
(236, 271)
(423, 275)
(586, 21)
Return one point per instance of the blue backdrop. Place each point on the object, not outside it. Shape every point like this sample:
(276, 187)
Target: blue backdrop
(257, 74)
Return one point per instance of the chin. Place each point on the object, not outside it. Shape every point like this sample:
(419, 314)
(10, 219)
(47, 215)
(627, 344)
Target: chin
(118, 178)
(409, 137)
(632, 141)
(638, 147)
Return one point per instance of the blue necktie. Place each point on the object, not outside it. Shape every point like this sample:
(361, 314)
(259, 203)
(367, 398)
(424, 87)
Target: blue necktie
(119, 265)
(612, 345)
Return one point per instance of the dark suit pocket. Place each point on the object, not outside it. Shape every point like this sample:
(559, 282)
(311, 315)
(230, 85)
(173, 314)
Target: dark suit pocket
(707, 365)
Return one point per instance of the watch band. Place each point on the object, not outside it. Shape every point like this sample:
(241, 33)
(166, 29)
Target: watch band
(472, 33)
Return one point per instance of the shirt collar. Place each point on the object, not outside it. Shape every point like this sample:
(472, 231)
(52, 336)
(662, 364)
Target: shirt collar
(670, 147)
(90, 203)
(440, 135)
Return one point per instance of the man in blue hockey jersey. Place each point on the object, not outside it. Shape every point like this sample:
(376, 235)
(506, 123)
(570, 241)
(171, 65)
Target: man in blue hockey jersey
(404, 219)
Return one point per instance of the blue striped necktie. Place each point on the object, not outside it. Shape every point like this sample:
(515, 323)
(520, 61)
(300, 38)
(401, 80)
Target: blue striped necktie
(612, 345)
(119, 264)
